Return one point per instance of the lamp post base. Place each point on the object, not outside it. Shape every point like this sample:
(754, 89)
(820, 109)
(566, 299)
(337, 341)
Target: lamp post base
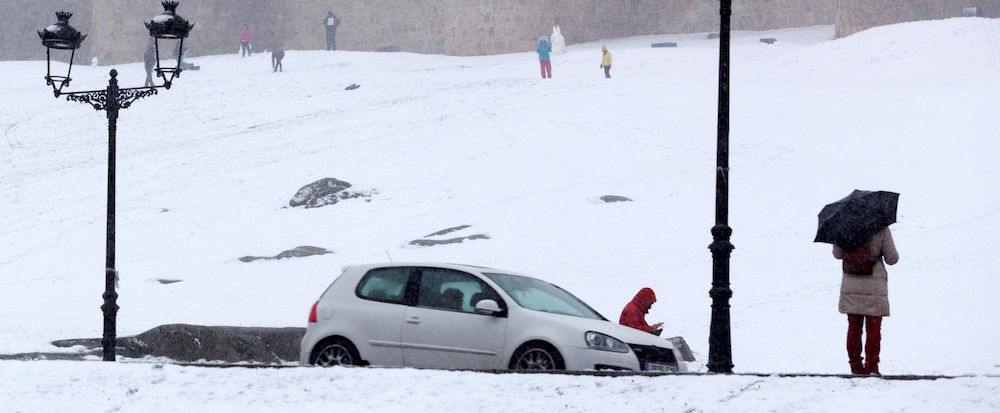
(110, 309)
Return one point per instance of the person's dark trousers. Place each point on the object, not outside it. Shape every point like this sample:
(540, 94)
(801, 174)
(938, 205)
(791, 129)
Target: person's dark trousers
(607, 72)
(873, 339)
(244, 49)
(331, 40)
(277, 65)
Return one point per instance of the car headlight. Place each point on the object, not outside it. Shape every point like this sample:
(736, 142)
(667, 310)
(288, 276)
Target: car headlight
(598, 341)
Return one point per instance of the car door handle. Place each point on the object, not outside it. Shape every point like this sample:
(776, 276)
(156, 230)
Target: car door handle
(414, 320)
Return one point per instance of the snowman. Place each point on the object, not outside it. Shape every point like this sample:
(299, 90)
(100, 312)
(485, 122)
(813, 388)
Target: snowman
(558, 42)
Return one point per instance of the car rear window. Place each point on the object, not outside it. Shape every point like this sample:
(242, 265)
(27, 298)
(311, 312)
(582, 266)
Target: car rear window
(384, 284)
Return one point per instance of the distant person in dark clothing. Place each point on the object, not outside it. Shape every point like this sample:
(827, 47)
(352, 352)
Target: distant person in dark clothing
(246, 38)
(149, 58)
(276, 55)
(331, 22)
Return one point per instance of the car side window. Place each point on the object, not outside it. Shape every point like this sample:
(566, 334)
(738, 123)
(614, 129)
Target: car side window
(384, 284)
(453, 290)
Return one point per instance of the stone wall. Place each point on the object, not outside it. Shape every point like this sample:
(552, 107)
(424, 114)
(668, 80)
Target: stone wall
(454, 27)
(120, 35)
(775, 14)
(414, 25)
(19, 36)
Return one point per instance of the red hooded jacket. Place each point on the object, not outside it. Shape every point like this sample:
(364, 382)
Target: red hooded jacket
(634, 313)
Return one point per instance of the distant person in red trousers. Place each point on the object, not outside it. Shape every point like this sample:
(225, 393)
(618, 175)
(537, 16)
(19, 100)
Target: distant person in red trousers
(864, 297)
(544, 59)
(634, 313)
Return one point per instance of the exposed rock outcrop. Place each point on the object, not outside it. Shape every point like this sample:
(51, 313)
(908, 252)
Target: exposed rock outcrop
(615, 198)
(434, 238)
(303, 251)
(183, 342)
(326, 191)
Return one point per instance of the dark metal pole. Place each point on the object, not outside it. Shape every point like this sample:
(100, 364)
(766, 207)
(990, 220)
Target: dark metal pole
(720, 353)
(110, 307)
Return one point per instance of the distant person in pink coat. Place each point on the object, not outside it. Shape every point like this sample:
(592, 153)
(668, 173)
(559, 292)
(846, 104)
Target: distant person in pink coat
(246, 38)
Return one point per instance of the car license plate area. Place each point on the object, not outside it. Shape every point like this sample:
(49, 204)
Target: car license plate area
(657, 367)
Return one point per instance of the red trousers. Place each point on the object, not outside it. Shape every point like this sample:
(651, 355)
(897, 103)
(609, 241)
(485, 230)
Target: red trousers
(873, 339)
(546, 68)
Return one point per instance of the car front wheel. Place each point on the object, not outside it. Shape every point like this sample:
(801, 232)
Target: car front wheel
(536, 356)
(336, 352)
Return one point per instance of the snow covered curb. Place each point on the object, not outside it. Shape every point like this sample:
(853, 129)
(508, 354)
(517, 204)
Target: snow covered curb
(98, 386)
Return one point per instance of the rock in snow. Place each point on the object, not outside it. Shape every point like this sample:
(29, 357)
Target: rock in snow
(447, 231)
(315, 191)
(425, 242)
(303, 251)
(615, 198)
(326, 191)
(457, 240)
(183, 342)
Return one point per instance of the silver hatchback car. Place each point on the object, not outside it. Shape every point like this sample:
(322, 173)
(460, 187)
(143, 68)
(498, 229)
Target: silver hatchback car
(449, 316)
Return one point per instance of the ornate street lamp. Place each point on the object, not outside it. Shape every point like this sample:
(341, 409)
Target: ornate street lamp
(169, 26)
(62, 36)
(720, 352)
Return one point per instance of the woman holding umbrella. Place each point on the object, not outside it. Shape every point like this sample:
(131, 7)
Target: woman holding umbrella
(858, 228)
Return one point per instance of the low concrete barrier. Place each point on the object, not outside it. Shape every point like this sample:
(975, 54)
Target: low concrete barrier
(189, 343)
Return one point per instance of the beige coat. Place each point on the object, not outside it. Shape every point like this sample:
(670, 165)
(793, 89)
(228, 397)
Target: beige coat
(869, 294)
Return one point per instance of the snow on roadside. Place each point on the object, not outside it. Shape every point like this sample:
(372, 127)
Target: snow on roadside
(140, 387)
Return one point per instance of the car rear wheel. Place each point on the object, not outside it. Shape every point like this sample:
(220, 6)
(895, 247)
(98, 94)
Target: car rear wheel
(336, 352)
(536, 356)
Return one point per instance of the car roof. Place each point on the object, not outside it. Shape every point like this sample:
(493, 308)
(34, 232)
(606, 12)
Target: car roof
(464, 267)
(363, 268)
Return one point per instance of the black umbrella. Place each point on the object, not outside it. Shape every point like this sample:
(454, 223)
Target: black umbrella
(849, 222)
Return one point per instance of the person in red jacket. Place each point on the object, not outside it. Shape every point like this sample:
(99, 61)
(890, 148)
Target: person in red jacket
(246, 41)
(634, 313)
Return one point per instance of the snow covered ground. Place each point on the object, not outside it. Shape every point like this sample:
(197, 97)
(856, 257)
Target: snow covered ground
(104, 387)
(206, 169)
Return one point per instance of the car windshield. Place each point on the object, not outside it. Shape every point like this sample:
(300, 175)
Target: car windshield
(539, 295)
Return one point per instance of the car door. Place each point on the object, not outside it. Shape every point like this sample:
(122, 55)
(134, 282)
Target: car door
(443, 330)
(379, 317)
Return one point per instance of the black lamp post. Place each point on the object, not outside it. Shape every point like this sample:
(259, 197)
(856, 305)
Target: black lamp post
(720, 352)
(62, 36)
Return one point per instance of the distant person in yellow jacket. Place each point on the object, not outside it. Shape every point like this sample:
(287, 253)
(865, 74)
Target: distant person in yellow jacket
(606, 61)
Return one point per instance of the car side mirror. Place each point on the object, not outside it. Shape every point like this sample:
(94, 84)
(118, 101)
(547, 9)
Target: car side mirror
(489, 307)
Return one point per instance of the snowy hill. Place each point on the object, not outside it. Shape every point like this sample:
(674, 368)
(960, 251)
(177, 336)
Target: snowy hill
(206, 169)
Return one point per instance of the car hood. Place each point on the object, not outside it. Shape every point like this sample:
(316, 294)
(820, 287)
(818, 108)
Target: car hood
(633, 336)
(627, 334)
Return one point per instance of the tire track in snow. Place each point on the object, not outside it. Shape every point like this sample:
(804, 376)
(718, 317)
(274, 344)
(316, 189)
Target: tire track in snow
(741, 391)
